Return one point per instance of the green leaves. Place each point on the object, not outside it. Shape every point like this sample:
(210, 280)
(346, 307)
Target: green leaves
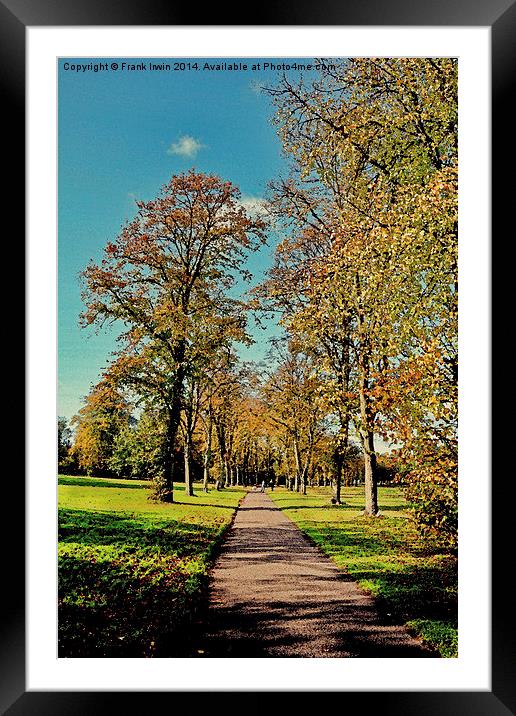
(366, 277)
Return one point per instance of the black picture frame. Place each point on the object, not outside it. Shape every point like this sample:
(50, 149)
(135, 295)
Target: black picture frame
(500, 16)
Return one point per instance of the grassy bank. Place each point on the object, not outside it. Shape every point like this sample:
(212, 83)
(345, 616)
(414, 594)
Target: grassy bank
(131, 571)
(413, 580)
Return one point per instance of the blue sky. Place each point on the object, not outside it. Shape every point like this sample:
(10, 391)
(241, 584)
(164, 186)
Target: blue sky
(122, 135)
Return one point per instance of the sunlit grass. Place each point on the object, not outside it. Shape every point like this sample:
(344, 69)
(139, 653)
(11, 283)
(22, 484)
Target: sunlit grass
(132, 571)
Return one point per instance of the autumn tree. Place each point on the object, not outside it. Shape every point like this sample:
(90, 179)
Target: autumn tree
(206, 426)
(292, 396)
(224, 405)
(181, 249)
(255, 443)
(98, 424)
(295, 288)
(374, 149)
(211, 363)
(219, 415)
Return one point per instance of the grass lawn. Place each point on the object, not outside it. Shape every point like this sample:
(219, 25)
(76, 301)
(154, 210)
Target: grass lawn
(132, 572)
(412, 579)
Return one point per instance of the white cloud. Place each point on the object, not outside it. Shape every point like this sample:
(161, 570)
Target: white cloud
(253, 205)
(185, 146)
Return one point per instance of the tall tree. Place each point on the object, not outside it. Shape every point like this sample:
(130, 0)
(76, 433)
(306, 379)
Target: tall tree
(182, 248)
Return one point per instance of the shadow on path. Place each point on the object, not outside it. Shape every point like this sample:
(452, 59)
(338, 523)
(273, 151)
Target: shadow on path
(274, 594)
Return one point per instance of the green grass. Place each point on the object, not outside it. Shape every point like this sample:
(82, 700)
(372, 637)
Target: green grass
(412, 579)
(133, 572)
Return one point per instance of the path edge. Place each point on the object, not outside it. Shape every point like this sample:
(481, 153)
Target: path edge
(214, 551)
(379, 603)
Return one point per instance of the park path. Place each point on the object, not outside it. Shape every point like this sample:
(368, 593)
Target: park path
(274, 594)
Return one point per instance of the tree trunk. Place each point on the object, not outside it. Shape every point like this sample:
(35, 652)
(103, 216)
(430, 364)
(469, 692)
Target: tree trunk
(206, 466)
(206, 476)
(164, 484)
(188, 473)
(367, 423)
(304, 476)
(370, 471)
(338, 476)
(223, 460)
(298, 466)
(370, 475)
(207, 453)
(220, 477)
(341, 450)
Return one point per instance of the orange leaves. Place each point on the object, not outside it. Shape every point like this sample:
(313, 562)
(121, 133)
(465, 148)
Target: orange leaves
(180, 247)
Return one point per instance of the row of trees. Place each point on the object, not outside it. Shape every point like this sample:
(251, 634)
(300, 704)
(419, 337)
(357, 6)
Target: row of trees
(241, 436)
(364, 283)
(366, 278)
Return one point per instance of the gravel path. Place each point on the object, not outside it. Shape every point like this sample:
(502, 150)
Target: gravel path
(274, 594)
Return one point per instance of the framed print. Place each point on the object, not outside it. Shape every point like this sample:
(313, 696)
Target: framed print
(254, 120)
